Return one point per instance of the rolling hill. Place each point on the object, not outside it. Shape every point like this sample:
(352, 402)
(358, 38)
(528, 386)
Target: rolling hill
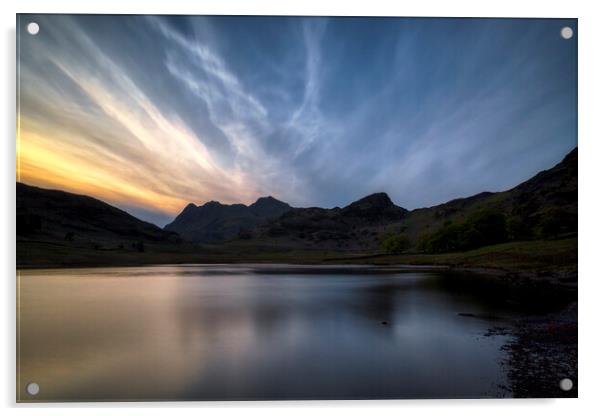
(51, 215)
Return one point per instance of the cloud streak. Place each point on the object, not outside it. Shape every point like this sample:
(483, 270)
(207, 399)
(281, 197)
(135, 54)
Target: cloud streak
(150, 113)
(143, 158)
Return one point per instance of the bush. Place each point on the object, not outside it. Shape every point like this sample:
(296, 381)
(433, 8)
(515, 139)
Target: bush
(395, 244)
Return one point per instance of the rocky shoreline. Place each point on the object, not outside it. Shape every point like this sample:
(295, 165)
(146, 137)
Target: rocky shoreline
(543, 346)
(541, 353)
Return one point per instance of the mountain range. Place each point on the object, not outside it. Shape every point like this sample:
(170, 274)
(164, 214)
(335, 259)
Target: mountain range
(56, 215)
(364, 223)
(216, 222)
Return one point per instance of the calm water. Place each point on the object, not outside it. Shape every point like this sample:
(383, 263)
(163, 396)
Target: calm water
(256, 332)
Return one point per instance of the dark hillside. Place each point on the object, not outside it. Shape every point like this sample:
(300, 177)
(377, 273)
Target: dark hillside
(44, 214)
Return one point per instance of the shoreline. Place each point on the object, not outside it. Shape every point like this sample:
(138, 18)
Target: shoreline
(560, 280)
(537, 259)
(542, 352)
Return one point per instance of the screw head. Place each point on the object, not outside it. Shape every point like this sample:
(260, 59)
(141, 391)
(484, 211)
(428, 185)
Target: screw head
(566, 384)
(566, 32)
(33, 388)
(33, 28)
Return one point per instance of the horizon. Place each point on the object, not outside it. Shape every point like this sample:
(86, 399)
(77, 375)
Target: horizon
(312, 111)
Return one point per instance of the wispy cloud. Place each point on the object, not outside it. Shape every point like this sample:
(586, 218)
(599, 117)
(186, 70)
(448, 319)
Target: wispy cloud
(150, 113)
(154, 160)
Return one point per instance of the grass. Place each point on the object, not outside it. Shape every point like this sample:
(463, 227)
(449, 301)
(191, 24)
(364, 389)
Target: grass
(38, 254)
(531, 256)
(528, 256)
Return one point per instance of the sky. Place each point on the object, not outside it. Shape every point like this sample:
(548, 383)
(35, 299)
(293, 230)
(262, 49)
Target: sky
(150, 113)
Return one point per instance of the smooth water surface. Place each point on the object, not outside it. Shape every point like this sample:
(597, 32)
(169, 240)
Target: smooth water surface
(195, 332)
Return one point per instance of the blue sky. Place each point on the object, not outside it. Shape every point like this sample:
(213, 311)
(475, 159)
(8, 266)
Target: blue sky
(149, 113)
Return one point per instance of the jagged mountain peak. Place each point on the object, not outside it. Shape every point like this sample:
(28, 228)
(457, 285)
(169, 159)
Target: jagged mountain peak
(269, 207)
(215, 222)
(266, 198)
(212, 204)
(376, 200)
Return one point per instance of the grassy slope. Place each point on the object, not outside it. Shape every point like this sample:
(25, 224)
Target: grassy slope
(552, 188)
(428, 220)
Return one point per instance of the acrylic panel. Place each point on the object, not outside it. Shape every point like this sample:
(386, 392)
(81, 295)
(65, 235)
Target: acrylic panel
(289, 207)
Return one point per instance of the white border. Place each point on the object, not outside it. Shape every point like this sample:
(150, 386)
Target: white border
(590, 137)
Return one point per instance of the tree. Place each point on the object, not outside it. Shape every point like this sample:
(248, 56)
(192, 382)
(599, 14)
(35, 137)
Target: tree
(556, 221)
(482, 228)
(519, 228)
(443, 240)
(395, 244)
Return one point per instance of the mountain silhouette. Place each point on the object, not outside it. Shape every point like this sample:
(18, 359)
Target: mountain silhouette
(215, 222)
(54, 216)
(57, 215)
(364, 224)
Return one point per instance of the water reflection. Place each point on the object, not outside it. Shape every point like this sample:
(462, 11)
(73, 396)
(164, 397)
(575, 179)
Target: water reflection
(255, 332)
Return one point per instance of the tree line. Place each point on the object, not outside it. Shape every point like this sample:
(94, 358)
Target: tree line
(483, 228)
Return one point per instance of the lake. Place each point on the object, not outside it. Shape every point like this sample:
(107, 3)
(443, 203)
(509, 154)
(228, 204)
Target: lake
(226, 332)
